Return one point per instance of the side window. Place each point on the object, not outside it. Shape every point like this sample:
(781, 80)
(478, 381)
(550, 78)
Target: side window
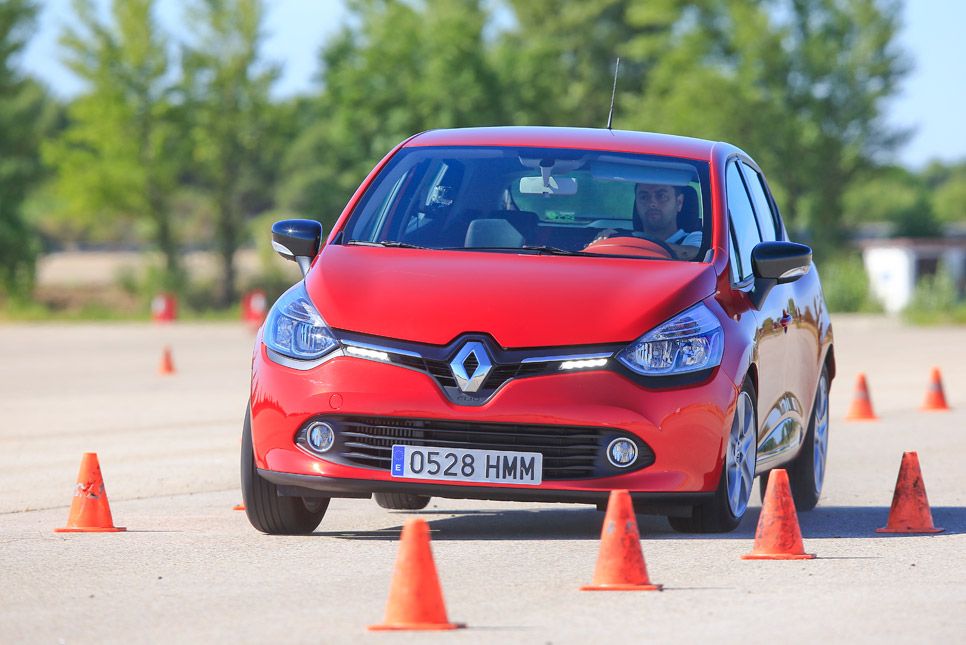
(377, 206)
(744, 229)
(431, 187)
(766, 218)
(367, 228)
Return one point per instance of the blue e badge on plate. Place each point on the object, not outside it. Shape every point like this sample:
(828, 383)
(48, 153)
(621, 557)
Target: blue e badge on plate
(398, 459)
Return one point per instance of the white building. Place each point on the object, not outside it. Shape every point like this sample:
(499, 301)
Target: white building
(895, 265)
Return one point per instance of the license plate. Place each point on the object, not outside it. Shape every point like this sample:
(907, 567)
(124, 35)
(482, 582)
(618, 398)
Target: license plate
(457, 464)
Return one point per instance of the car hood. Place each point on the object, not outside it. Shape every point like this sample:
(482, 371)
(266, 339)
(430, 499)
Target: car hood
(520, 300)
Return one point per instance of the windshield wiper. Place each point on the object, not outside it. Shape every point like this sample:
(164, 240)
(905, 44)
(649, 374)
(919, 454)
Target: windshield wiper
(387, 243)
(548, 250)
(544, 250)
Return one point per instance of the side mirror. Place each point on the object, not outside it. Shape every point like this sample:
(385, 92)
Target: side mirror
(297, 240)
(777, 263)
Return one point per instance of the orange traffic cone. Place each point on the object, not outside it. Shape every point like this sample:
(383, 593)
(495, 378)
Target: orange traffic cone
(861, 409)
(89, 512)
(415, 597)
(620, 565)
(935, 399)
(238, 507)
(910, 508)
(778, 536)
(167, 363)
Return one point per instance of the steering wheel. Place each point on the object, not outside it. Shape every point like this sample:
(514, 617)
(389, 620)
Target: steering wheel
(636, 235)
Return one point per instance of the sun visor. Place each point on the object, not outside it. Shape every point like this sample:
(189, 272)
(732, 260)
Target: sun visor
(651, 172)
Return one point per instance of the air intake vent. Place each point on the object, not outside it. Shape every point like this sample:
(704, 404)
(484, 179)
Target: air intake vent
(568, 452)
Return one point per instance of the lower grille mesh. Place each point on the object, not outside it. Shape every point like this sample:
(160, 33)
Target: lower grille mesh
(568, 452)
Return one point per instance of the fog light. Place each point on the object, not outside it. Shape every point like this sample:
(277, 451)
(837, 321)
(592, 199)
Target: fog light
(622, 452)
(320, 436)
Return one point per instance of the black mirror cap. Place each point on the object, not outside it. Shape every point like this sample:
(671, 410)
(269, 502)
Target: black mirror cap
(782, 262)
(295, 238)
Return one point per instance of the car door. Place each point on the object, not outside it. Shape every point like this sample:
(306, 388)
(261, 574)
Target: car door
(782, 422)
(769, 340)
(802, 304)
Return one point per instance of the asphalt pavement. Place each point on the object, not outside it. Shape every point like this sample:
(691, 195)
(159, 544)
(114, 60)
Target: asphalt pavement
(190, 569)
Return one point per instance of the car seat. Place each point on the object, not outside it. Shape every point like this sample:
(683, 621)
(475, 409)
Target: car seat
(689, 219)
(492, 232)
(525, 222)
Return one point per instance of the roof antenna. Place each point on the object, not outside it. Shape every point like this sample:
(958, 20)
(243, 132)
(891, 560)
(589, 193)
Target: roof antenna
(613, 94)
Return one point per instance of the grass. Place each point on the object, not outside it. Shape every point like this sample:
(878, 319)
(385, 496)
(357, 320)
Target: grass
(37, 312)
(33, 311)
(955, 316)
(936, 301)
(846, 286)
(95, 310)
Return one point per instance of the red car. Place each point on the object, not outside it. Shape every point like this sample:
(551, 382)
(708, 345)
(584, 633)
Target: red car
(543, 314)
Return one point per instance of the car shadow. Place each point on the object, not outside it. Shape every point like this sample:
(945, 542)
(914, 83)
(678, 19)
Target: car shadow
(862, 521)
(585, 524)
(843, 522)
(536, 524)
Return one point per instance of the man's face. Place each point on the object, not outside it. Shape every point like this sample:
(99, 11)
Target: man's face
(659, 206)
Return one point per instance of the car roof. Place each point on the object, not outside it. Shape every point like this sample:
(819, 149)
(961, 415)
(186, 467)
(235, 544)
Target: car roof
(578, 138)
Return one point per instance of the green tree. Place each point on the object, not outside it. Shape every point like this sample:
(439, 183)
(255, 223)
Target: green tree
(228, 96)
(122, 151)
(723, 76)
(947, 185)
(837, 95)
(23, 111)
(397, 68)
(799, 84)
(894, 195)
(557, 63)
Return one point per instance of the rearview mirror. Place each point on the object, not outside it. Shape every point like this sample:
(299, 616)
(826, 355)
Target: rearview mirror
(553, 186)
(297, 240)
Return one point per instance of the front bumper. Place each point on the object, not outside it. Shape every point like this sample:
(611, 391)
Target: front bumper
(686, 427)
(315, 486)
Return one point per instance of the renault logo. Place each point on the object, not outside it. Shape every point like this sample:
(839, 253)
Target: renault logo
(471, 366)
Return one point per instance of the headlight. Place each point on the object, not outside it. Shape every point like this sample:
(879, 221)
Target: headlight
(689, 342)
(295, 329)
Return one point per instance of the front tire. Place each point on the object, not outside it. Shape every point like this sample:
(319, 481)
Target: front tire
(268, 511)
(807, 473)
(401, 501)
(724, 512)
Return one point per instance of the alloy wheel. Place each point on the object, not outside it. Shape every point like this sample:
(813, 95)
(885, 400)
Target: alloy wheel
(820, 432)
(741, 455)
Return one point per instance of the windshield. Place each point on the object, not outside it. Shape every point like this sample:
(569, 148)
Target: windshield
(536, 200)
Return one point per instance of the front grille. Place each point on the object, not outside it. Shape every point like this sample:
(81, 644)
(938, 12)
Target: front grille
(568, 452)
(500, 374)
(440, 371)
(507, 364)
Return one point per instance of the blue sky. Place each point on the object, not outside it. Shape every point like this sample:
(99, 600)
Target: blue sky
(932, 101)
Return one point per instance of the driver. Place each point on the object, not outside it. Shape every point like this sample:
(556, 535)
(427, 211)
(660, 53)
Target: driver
(656, 208)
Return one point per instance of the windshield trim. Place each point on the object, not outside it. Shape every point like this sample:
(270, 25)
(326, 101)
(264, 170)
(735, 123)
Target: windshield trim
(701, 192)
